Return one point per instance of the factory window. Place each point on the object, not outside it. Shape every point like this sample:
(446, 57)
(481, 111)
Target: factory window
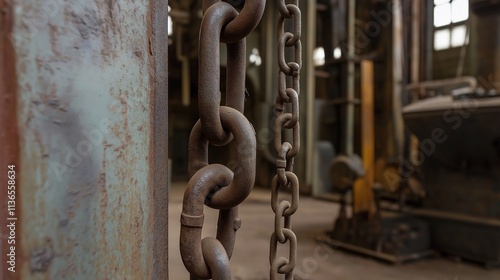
(319, 55)
(170, 23)
(255, 58)
(450, 30)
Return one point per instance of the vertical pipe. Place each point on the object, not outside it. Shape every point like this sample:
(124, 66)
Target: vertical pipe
(463, 52)
(367, 120)
(310, 84)
(429, 33)
(415, 47)
(495, 80)
(496, 72)
(349, 140)
(415, 66)
(397, 74)
(184, 59)
(270, 47)
(186, 82)
(363, 193)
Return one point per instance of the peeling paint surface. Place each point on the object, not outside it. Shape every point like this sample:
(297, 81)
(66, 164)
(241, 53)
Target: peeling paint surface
(84, 122)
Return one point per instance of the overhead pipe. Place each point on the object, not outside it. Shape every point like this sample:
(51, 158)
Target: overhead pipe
(472, 81)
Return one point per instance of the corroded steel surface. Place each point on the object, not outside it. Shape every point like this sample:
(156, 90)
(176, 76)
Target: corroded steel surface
(87, 102)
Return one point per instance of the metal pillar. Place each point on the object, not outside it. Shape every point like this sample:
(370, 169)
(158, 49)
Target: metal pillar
(85, 85)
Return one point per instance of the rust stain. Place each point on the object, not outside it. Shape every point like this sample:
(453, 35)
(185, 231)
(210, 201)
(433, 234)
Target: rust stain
(111, 4)
(34, 190)
(41, 257)
(43, 148)
(9, 135)
(54, 32)
(139, 54)
(104, 200)
(96, 22)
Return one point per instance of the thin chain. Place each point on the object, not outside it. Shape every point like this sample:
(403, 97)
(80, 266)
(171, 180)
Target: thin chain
(287, 117)
(218, 186)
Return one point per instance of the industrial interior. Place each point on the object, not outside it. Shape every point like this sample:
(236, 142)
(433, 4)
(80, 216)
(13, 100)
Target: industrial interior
(250, 139)
(399, 166)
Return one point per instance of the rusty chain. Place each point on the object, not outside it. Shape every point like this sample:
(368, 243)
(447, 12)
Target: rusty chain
(215, 185)
(287, 118)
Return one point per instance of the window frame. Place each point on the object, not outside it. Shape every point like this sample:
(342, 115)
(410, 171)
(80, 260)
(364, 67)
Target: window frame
(450, 27)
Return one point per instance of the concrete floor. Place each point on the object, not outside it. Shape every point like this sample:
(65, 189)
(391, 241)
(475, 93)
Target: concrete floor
(251, 262)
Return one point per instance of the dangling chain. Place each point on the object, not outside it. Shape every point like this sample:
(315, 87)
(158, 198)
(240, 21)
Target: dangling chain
(285, 178)
(215, 185)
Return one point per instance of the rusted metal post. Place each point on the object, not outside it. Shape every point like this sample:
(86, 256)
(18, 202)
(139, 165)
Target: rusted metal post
(85, 85)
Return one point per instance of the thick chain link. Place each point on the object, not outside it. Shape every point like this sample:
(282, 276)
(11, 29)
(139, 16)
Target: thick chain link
(215, 185)
(287, 118)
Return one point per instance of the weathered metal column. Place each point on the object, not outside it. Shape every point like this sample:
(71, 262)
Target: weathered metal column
(85, 85)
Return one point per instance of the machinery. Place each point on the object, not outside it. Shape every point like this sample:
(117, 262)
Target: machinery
(393, 236)
(459, 154)
(454, 205)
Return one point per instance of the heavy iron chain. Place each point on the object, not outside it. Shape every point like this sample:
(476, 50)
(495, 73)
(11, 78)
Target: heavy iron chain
(215, 185)
(287, 117)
